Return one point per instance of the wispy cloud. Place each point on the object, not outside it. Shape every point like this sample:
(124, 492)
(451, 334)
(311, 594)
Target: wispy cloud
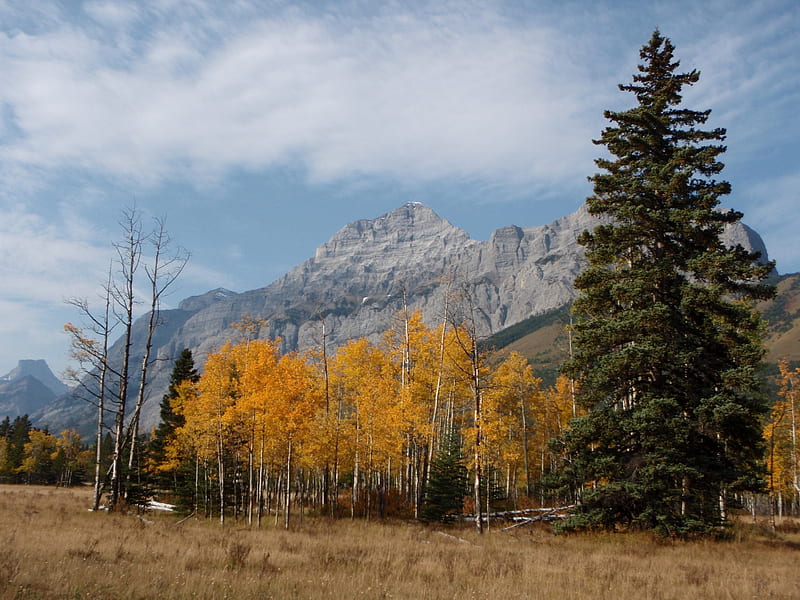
(187, 89)
(45, 261)
(401, 95)
(142, 95)
(775, 213)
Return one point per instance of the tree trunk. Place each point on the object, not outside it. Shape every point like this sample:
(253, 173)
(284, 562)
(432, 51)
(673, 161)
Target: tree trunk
(288, 500)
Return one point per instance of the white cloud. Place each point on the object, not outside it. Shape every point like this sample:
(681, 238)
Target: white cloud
(396, 95)
(774, 217)
(113, 14)
(186, 89)
(42, 262)
(46, 261)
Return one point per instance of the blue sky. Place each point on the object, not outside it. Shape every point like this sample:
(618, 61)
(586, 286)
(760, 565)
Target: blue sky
(258, 129)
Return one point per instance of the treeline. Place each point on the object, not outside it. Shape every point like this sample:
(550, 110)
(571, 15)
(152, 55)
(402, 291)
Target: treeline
(373, 430)
(780, 435)
(30, 455)
(422, 424)
(364, 432)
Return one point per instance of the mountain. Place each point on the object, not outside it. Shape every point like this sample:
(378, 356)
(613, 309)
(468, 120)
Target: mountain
(39, 370)
(544, 341)
(28, 388)
(782, 316)
(361, 277)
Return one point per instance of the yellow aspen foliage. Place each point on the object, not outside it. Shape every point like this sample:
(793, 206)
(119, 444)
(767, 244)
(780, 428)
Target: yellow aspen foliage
(191, 440)
(509, 405)
(292, 400)
(262, 427)
(365, 378)
(780, 433)
(552, 417)
(322, 446)
(38, 453)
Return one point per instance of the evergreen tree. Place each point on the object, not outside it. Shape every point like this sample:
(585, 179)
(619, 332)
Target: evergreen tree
(18, 436)
(447, 485)
(667, 344)
(184, 370)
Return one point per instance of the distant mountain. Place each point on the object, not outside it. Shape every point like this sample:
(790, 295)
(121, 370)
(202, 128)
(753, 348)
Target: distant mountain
(39, 370)
(361, 277)
(543, 340)
(782, 316)
(28, 388)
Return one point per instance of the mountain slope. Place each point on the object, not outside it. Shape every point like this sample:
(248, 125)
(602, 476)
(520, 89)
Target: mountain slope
(544, 340)
(361, 277)
(23, 395)
(28, 388)
(782, 316)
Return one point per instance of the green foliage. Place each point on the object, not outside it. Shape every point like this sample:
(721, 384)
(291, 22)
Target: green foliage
(667, 341)
(15, 435)
(508, 336)
(447, 486)
(184, 370)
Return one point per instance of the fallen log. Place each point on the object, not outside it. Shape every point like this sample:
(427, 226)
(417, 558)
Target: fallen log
(548, 514)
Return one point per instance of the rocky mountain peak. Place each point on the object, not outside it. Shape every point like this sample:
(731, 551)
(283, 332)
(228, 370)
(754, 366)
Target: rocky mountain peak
(195, 303)
(413, 228)
(360, 279)
(38, 369)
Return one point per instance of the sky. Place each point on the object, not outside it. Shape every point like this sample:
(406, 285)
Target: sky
(256, 130)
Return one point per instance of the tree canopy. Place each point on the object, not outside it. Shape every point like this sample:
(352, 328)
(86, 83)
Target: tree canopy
(667, 344)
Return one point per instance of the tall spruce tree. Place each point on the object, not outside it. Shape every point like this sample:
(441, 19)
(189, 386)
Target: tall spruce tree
(667, 344)
(184, 370)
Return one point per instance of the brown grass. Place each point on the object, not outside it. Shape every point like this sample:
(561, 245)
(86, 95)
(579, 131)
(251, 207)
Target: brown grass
(52, 547)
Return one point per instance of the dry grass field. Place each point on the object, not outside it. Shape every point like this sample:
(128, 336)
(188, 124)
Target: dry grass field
(52, 547)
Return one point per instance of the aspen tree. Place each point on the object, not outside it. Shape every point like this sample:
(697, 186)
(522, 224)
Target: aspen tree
(513, 394)
(780, 433)
(470, 360)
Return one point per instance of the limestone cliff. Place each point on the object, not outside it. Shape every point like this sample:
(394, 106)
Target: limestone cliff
(359, 279)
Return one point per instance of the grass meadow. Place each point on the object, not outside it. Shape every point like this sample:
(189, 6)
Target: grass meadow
(52, 547)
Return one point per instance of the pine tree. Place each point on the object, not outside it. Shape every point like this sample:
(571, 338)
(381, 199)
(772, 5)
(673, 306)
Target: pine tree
(18, 435)
(667, 344)
(447, 486)
(184, 370)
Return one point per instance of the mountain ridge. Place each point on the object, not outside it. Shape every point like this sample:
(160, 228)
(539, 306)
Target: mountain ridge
(28, 388)
(361, 277)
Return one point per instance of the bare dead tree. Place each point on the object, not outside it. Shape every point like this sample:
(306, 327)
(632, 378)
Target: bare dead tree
(129, 254)
(167, 264)
(89, 347)
(107, 381)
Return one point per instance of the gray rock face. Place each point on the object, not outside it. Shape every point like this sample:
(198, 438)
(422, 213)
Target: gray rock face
(27, 388)
(38, 369)
(359, 279)
(23, 396)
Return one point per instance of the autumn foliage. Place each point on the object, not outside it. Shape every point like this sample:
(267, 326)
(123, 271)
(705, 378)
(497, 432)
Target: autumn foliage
(355, 433)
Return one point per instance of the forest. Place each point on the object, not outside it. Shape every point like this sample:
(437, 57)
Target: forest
(403, 428)
(367, 431)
